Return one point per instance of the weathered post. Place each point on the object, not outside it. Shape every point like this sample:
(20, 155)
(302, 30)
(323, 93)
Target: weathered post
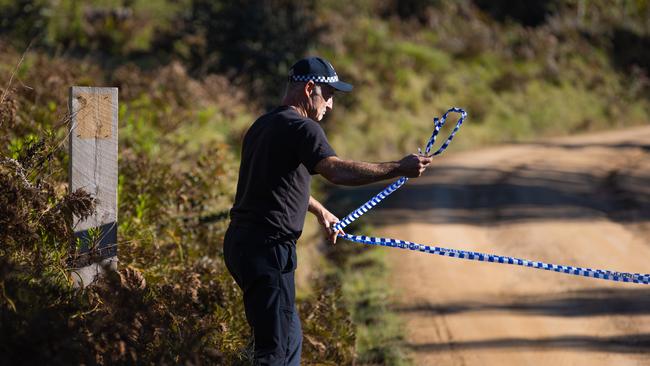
(93, 167)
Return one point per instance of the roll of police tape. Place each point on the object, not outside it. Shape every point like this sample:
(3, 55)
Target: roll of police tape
(463, 254)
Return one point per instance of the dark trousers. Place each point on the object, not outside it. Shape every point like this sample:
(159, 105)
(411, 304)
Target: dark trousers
(263, 266)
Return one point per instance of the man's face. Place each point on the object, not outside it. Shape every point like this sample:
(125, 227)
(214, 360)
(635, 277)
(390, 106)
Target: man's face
(322, 100)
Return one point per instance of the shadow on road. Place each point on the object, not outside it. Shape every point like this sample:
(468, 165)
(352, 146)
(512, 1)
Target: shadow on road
(584, 303)
(618, 344)
(483, 196)
(578, 146)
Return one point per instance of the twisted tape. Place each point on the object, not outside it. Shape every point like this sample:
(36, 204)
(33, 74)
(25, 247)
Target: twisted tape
(463, 254)
(437, 123)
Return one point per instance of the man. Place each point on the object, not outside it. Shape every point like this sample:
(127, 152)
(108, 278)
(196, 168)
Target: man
(280, 152)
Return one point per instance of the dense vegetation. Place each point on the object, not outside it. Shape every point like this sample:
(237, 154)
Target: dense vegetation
(193, 74)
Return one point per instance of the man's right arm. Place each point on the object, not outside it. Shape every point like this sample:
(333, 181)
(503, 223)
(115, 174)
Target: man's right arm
(354, 173)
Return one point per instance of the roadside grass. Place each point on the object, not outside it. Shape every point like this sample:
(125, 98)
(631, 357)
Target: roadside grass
(362, 272)
(380, 333)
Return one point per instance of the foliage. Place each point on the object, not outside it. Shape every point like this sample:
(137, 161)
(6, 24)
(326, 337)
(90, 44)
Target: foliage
(226, 37)
(329, 337)
(238, 35)
(35, 220)
(531, 13)
(22, 19)
(379, 333)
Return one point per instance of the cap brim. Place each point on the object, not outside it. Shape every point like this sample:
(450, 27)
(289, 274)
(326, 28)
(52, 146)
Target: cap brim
(341, 86)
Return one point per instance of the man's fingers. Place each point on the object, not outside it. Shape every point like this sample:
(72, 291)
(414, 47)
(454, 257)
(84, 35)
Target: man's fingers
(340, 232)
(330, 233)
(423, 163)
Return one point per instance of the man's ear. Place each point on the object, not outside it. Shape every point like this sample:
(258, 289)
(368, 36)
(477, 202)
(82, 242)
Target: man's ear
(309, 88)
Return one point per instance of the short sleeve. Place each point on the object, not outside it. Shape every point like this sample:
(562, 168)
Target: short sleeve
(312, 144)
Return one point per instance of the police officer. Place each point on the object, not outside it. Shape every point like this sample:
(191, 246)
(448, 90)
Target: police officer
(281, 151)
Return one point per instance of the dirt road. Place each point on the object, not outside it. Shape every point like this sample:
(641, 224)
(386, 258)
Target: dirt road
(582, 201)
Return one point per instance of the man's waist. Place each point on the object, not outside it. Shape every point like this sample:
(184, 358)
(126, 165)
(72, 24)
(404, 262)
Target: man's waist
(263, 228)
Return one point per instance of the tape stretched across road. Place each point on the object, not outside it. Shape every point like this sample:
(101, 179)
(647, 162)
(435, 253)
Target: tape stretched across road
(463, 254)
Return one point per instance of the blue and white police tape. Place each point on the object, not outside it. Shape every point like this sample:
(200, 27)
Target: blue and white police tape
(476, 256)
(482, 257)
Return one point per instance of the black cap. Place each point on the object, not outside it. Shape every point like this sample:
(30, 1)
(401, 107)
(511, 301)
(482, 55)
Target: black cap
(319, 70)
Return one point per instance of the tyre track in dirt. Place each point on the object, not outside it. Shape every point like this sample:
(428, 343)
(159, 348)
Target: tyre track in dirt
(582, 201)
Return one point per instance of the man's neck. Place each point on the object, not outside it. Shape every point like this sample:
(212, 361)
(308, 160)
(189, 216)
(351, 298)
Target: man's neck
(300, 111)
(295, 106)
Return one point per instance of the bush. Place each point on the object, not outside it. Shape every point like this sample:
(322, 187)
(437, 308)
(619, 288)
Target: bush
(253, 42)
(22, 20)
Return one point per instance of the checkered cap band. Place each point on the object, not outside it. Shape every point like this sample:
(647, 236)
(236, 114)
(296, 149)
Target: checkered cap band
(315, 78)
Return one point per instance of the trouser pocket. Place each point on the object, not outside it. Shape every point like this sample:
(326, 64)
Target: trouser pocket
(285, 253)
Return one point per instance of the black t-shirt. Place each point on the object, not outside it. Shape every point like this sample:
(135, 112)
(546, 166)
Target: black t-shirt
(279, 153)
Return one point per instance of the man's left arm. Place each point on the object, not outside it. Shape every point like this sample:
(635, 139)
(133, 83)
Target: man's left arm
(325, 218)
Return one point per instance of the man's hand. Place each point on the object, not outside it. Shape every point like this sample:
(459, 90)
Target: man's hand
(414, 165)
(327, 221)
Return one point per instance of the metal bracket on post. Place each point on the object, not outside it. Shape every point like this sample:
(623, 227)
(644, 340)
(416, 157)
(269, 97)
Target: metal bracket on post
(93, 167)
